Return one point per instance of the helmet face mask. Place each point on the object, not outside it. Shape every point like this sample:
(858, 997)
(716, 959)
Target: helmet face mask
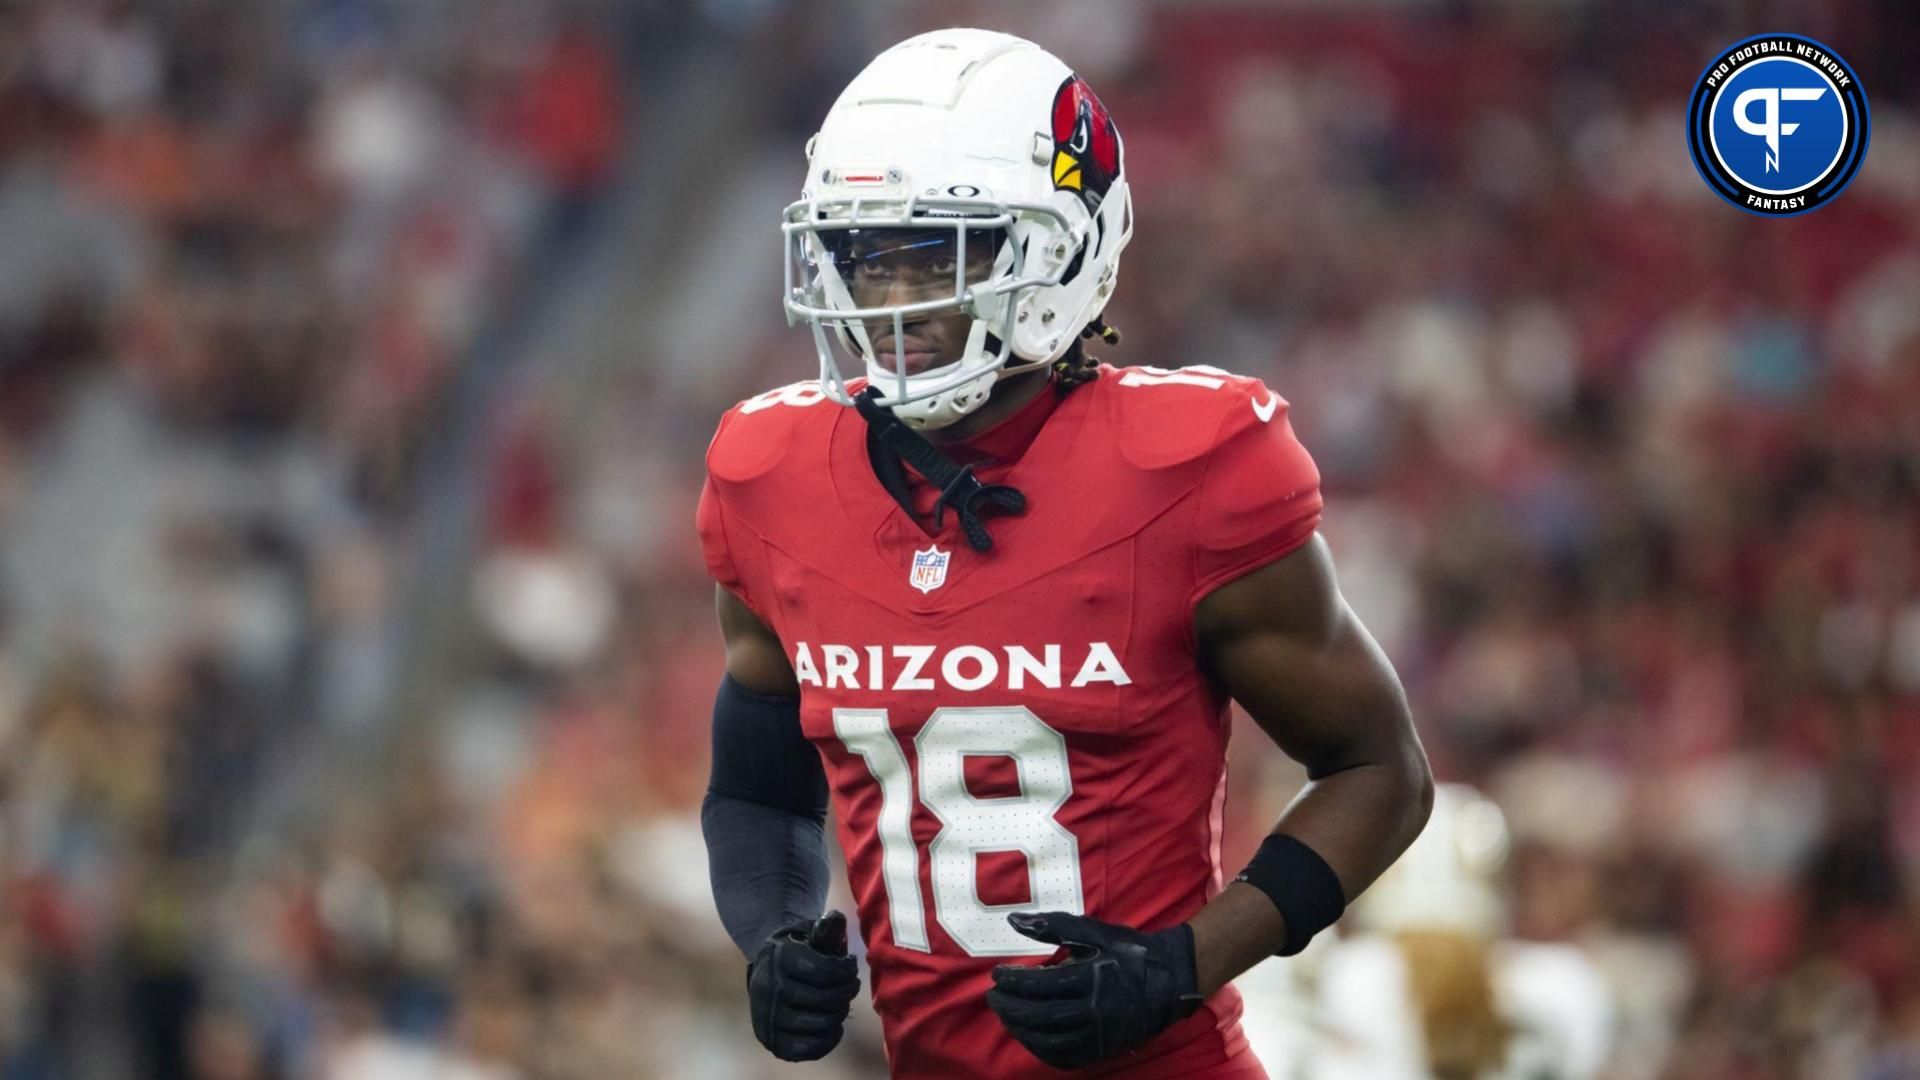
(948, 144)
(865, 272)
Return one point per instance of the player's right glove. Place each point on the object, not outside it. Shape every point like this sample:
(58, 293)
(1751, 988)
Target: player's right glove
(799, 987)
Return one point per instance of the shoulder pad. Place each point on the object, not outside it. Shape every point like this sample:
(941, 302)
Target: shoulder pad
(1165, 417)
(757, 433)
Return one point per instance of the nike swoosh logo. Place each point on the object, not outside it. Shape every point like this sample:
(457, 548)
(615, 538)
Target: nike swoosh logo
(1265, 412)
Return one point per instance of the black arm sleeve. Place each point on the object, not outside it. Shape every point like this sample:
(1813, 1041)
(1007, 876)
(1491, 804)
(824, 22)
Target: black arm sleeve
(764, 816)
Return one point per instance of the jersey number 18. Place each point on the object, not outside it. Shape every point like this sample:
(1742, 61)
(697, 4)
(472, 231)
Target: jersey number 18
(969, 826)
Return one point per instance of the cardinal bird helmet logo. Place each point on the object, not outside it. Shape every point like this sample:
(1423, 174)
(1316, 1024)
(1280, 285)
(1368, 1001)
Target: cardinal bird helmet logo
(1086, 148)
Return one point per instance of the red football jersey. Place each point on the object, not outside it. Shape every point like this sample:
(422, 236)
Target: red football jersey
(1029, 728)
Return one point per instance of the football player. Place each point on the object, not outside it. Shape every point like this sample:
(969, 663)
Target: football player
(991, 600)
(1424, 980)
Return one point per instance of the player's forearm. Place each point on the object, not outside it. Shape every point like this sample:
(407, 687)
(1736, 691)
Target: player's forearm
(768, 867)
(1358, 820)
(1236, 930)
(764, 816)
(1361, 818)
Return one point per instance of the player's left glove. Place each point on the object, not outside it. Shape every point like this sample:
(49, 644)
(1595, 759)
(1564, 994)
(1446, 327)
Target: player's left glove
(1116, 989)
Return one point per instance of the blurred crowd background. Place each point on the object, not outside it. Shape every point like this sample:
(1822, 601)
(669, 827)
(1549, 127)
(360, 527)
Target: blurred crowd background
(357, 358)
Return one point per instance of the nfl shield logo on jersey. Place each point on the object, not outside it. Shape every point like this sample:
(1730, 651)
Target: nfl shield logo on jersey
(929, 569)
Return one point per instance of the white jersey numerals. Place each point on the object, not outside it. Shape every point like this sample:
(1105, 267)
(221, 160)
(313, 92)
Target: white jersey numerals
(1206, 375)
(970, 826)
(1023, 823)
(865, 732)
(798, 394)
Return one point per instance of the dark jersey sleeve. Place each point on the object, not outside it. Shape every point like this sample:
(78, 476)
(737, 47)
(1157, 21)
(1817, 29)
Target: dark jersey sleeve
(764, 816)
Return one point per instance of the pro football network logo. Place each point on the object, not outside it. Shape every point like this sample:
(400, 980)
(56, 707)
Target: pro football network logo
(929, 569)
(1778, 124)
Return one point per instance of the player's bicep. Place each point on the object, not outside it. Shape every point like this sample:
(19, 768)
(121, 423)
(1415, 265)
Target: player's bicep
(1282, 642)
(755, 657)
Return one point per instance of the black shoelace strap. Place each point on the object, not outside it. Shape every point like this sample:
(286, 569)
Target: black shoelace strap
(890, 441)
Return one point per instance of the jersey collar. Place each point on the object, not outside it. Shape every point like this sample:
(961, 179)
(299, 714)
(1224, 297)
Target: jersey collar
(1007, 440)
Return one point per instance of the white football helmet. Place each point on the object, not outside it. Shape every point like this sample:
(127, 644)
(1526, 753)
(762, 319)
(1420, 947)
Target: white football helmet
(950, 139)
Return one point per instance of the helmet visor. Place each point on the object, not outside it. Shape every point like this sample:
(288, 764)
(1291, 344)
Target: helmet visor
(884, 267)
(908, 291)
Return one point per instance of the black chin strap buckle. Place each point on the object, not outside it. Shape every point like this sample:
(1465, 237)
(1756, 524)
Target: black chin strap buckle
(959, 488)
(963, 491)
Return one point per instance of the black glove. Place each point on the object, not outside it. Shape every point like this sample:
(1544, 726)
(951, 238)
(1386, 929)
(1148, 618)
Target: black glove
(799, 986)
(1116, 989)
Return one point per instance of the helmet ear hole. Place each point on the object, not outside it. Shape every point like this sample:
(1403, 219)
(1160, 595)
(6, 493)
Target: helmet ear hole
(1073, 268)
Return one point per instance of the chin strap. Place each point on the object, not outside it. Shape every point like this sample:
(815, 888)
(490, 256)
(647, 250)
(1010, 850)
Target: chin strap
(890, 441)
